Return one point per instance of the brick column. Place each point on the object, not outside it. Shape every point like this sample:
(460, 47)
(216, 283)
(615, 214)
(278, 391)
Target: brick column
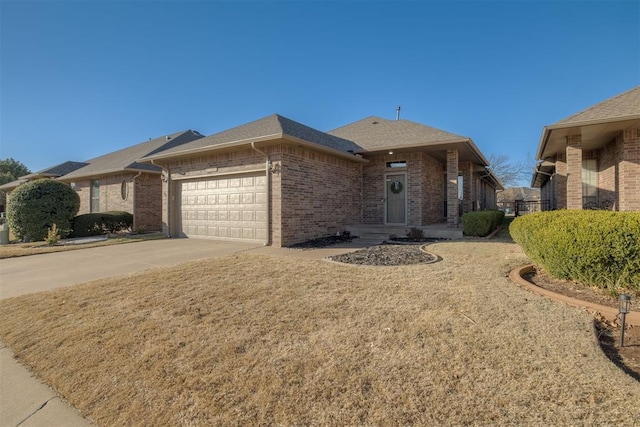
(574, 172)
(167, 202)
(452, 188)
(468, 187)
(629, 171)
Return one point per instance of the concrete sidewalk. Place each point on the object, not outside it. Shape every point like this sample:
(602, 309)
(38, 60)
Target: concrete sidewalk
(25, 400)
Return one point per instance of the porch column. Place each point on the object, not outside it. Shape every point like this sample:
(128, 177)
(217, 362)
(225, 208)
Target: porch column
(468, 187)
(574, 172)
(629, 171)
(167, 203)
(452, 188)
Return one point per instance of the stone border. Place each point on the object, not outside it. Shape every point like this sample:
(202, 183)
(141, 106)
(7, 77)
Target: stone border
(609, 313)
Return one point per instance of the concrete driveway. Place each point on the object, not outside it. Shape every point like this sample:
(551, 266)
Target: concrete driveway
(25, 275)
(26, 401)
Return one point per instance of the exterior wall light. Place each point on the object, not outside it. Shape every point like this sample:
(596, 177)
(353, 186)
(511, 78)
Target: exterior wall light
(623, 307)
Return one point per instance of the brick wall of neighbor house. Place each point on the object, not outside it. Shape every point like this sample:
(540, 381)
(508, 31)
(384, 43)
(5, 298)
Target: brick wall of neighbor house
(630, 171)
(489, 197)
(320, 194)
(147, 191)
(561, 181)
(433, 190)
(608, 159)
(110, 193)
(83, 188)
(574, 172)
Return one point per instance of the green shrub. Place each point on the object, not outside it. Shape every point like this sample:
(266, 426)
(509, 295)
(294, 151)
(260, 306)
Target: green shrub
(35, 206)
(596, 248)
(95, 224)
(87, 225)
(115, 221)
(415, 234)
(481, 223)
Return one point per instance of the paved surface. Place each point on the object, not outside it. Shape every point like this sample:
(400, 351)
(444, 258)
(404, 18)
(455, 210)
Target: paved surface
(24, 400)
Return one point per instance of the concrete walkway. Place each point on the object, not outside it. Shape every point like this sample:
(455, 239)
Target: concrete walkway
(26, 401)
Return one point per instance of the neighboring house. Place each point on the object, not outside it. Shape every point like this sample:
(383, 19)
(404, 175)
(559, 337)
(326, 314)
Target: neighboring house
(280, 182)
(520, 200)
(117, 182)
(592, 159)
(51, 172)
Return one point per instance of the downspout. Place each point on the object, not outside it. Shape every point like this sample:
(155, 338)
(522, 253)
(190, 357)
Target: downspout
(268, 177)
(135, 214)
(169, 205)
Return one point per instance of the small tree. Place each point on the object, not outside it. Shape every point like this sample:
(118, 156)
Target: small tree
(37, 205)
(11, 169)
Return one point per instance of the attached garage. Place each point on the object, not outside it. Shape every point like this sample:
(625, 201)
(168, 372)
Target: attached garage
(223, 207)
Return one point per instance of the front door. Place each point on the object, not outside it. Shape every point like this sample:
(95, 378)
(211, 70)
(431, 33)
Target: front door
(396, 200)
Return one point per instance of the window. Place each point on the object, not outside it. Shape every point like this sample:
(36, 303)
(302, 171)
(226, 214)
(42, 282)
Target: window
(590, 182)
(398, 164)
(95, 195)
(124, 190)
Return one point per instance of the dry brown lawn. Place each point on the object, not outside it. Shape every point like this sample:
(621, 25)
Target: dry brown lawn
(259, 340)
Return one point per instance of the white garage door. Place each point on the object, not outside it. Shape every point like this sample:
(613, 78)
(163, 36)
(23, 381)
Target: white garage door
(223, 207)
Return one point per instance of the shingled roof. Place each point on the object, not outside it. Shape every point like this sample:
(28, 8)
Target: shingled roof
(127, 158)
(620, 107)
(51, 172)
(274, 126)
(375, 134)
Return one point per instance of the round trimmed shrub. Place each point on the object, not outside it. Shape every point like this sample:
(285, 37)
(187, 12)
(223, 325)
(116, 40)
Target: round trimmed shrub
(37, 205)
(596, 248)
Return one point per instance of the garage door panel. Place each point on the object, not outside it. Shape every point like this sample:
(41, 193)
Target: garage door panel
(231, 207)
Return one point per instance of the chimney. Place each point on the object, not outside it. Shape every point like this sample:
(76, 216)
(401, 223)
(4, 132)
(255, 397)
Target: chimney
(398, 113)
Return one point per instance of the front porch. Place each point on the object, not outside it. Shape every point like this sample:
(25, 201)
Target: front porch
(381, 233)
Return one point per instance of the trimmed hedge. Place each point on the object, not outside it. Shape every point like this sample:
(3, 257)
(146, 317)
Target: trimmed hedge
(481, 223)
(596, 248)
(95, 224)
(36, 205)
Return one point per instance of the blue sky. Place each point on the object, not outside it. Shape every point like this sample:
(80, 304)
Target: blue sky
(82, 78)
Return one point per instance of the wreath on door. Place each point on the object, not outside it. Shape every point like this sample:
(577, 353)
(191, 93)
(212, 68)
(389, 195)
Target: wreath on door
(396, 187)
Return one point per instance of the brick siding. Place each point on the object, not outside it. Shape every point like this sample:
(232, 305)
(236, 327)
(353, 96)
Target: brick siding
(145, 194)
(320, 194)
(561, 181)
(629, 185)
(452, 188)
(574, 172)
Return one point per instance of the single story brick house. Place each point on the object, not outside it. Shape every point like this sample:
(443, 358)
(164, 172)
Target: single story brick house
(281, 182)
(591, 160)
(116, 181)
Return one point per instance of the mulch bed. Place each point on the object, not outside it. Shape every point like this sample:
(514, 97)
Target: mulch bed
(387, 255)
(322, 242)
(627, 357)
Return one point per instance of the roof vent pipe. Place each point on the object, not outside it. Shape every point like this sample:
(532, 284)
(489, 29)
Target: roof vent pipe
(398, 113)
(167, 137)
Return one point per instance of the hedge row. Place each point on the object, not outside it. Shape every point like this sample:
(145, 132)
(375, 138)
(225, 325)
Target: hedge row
(481, 223)
(95, 224)
(596, 248)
